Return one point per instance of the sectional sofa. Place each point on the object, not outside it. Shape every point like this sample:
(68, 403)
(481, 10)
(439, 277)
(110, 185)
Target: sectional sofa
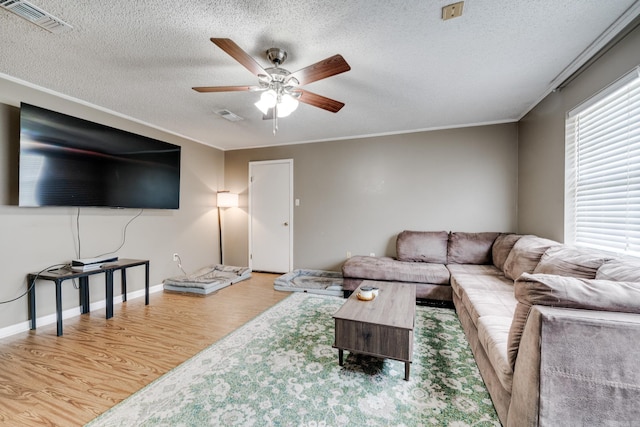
(554, 329)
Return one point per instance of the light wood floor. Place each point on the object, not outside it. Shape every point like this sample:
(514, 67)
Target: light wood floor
(69, 380)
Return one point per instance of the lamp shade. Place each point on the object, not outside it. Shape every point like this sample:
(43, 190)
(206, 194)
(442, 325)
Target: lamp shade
(227, 200)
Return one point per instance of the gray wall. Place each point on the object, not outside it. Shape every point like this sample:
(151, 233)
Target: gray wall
(357, 195)
(541, 141)
(34, 238)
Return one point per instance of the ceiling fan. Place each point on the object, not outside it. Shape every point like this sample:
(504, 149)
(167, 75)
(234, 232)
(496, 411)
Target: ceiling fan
(281, 88)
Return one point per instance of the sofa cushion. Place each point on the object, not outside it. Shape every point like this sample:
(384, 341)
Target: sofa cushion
(470, 248)
(525, 255)
(571, 261)
(620, 270)
(480, 303)
(573, 292)
(502, 247)
(483, 277)
(474, 269)
(493, 334)
(389, 269)
(568, 292)
(422, 246)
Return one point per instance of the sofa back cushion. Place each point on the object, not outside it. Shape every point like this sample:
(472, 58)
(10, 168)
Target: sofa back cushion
(422, 246)
(525, 255)
(620, 270)
(470, 248)
(571, 261)
(502, 247)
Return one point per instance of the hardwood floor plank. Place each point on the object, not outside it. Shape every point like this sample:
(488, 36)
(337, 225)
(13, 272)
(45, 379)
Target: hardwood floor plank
(47, 380)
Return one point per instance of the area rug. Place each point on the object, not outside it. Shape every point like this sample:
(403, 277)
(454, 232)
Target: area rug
(280, 370)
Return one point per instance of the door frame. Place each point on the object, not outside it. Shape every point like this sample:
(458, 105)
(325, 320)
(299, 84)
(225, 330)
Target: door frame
(250, 207)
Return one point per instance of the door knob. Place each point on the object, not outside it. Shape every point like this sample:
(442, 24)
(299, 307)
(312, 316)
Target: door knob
(286, 224)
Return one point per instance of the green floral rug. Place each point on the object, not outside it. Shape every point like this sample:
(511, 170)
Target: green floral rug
(280, 370)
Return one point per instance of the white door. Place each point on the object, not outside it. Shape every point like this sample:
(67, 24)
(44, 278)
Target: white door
(271, 216)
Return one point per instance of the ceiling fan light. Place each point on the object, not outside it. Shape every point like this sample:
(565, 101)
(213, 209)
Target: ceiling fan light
(267, 100)
(262, 107)
(270, 98)
(287, 105)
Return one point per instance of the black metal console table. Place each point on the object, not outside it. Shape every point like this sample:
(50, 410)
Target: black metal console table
(60, 275)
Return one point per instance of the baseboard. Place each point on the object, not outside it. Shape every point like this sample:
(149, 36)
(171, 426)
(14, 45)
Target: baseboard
(72, 312)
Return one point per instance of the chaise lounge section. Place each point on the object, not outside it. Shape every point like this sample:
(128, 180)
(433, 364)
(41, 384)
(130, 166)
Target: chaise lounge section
(554, 329)
(422, 259)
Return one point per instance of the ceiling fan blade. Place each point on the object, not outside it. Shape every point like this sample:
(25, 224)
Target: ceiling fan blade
(320, 101)
(321, 70)
(204, 89)
(239, 55)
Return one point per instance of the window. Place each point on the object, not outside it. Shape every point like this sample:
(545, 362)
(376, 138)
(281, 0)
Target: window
(602, 202)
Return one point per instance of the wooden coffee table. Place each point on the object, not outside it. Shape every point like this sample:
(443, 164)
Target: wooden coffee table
(382, 327)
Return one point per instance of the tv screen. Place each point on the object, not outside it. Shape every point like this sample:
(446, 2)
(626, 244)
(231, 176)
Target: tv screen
(67, 161)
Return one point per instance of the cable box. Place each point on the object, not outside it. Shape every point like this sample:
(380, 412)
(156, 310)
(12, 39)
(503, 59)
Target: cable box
(84, 262)
(88, 267)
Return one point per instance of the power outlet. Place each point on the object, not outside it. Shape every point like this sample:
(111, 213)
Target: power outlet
(348, 254)
(372, 254)
(175, 256)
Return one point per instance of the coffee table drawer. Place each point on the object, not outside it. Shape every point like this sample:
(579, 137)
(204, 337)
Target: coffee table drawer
(376, 340)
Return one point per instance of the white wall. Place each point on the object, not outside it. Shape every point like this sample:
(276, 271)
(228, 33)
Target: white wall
(541, 141)
(357, 195)
(34, 238)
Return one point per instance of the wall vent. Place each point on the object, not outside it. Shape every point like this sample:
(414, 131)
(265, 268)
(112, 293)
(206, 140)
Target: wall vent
(35, 15)
(452, 11)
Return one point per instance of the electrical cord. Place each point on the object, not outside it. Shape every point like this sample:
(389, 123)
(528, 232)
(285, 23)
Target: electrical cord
(78, 252)
(124, 235)
(124, 239)
(180, 264)
(33, 282)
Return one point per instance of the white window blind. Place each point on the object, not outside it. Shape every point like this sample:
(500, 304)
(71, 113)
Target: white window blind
(602, 203)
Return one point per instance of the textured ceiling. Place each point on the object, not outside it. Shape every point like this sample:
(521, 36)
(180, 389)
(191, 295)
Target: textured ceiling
(409, 69)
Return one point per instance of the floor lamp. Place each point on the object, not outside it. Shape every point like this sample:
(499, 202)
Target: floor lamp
(225, 199)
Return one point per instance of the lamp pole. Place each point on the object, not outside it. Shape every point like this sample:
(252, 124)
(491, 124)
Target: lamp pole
(225, 199)
(220, 235)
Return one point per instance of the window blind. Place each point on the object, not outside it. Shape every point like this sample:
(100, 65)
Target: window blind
(602, 203)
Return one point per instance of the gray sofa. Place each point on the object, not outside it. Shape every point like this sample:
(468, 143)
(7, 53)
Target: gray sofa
(554, 329)
(422, 258)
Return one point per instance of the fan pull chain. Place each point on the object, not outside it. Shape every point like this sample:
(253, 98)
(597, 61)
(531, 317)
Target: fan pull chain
(275, 119)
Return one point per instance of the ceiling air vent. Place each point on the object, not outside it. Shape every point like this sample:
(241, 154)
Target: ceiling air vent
(33, 14)
(226, 114)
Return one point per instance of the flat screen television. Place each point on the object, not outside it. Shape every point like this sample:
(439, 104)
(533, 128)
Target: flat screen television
(68, 161)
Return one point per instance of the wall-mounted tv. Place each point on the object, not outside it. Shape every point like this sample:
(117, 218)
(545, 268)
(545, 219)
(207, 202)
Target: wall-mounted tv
(68, 161)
